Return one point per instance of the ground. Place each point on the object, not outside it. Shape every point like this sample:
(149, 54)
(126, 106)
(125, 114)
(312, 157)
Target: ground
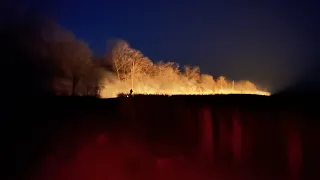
(250, 136)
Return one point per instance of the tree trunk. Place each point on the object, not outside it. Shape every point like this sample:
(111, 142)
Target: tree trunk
(74, 84)
(118, 74)
(132, 74)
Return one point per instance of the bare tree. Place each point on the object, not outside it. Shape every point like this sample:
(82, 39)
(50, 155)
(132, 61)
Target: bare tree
(162, 67)
(167, 70)
(74, 59)
(140, 65)
(117, 54)
(78, 63)
(128, 63)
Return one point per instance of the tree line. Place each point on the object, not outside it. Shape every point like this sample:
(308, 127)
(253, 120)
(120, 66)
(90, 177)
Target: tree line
(40, 57)
(43, 58)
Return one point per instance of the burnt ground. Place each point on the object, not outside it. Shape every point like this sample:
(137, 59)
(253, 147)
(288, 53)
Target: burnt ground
(168, 126)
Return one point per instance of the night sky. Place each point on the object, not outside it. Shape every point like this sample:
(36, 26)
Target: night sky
(273, 43)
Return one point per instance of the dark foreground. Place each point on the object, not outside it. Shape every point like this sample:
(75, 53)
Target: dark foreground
(157, 137)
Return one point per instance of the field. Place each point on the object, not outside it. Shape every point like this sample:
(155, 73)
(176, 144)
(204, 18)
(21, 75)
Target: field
(162, 137)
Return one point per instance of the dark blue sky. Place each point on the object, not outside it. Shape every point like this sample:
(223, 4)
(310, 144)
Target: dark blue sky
(271, 43)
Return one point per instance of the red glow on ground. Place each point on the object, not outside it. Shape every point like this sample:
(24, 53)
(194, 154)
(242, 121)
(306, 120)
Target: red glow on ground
(123, 156)
(236, 137)
(206, 130)
(294, 150)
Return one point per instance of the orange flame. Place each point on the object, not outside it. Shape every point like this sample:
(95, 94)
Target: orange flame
(175, 88)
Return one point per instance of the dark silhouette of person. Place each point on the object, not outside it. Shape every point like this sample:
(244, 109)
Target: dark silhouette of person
(131, 92)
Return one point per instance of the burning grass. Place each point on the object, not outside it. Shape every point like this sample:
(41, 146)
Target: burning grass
(132, 70)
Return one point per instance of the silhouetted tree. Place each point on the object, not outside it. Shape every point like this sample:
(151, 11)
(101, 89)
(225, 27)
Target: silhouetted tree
(27, 70)
(117, 49)
(168, 71)
(128, 63)
(76, 62)
(92, 82)
(42, 56)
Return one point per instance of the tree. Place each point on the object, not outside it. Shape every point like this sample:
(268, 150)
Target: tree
(72, 57)
(92, 82)
(45, 56)
(128, 63)
(77, 62)
(117, 56)
(140, 65)
(23, 51)
(168, 71)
